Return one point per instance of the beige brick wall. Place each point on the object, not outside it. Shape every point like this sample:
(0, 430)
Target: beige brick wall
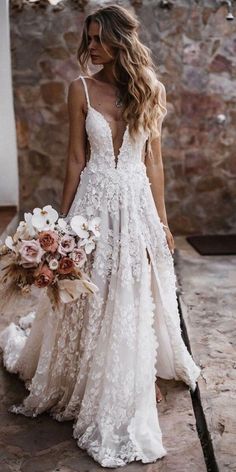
(195, 48)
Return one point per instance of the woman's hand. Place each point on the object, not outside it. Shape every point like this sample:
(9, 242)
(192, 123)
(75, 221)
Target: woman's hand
(169, 239)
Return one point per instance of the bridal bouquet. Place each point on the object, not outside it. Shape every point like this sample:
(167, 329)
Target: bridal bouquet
(46, 251)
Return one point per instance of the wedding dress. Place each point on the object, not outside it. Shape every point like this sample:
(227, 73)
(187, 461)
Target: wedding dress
(96, 361)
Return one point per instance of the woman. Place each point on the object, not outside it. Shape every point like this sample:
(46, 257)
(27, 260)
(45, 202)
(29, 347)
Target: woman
(98, 362)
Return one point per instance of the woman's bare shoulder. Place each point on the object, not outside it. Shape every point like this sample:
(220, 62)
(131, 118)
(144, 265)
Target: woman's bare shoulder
(76, 88)
(76, 94)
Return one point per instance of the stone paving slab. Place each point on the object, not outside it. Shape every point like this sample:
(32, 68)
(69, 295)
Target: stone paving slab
(208, 303)
(45, 445)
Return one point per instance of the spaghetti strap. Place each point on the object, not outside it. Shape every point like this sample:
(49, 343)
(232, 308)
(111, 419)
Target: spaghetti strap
(85, 89)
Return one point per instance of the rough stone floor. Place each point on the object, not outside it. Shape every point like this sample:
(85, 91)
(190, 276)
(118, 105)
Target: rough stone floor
(208, 305)
(207, 302)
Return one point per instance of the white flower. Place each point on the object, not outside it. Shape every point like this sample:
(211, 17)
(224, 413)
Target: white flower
(10, 243)
(63, 225)
(25, 229)
(53, 264)
(94, 226)
(79, 224)
(89, 244)
(28, 220)
(21, 231)
(44, 218)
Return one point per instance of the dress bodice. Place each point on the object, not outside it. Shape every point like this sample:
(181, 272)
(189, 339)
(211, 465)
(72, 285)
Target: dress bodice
(101, 142)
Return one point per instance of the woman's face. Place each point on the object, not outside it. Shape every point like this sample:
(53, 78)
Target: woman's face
(98, 54)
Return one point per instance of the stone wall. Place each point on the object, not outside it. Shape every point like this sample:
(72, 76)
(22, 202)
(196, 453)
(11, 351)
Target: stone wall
(195, 48)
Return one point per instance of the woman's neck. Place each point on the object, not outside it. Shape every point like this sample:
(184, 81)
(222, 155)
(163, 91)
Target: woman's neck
(107, 75)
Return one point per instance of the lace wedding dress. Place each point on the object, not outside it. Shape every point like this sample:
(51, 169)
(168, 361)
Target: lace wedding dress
(96, 362)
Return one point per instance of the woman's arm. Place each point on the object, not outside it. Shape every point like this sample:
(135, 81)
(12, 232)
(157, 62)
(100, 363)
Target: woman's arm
(155, 173)
(154, 166)
(76, 154)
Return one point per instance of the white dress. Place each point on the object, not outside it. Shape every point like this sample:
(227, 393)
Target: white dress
(96, 362)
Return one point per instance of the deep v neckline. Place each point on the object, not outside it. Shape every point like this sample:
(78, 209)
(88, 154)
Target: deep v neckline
(115, 157)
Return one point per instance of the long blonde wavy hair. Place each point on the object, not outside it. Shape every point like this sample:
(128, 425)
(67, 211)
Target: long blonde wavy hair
(134, 71)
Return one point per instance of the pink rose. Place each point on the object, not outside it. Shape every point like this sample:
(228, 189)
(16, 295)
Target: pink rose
(66, 266)
(43, 276)
(48, 240)
(31, 253)
(79, 257)
(66, 245)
